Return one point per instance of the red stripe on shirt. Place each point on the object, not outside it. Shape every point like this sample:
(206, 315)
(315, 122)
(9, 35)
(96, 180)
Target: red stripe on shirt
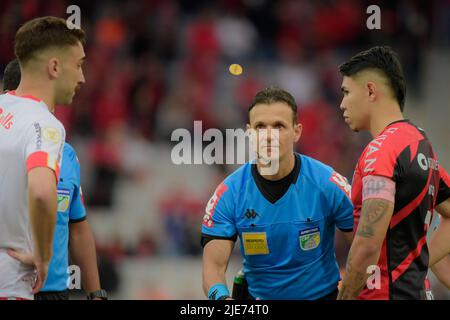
(27, 96)
(414, 146)
(40, 159)
(402, 267)
(403, 213)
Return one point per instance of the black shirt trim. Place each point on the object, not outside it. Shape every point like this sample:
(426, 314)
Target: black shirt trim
(77, 220)
(208, 237)
(275, 190)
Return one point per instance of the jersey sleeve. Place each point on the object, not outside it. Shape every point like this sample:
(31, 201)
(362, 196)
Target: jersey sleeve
(341, 204)
(44, 142)
(444, 186)
(77, 211)
(218, 221)
(380, 161)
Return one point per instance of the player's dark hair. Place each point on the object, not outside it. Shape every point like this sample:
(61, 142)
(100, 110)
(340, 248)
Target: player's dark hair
(383, 59)
(42, 33)
(11, 76)
(272, 95)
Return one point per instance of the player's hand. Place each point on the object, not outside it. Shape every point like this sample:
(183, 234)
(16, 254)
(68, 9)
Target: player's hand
(24, 257)
(42, 271)
(30, 260)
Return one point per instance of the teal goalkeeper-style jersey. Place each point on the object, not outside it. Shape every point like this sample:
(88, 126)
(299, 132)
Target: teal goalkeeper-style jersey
(70, 210)
(287, 245)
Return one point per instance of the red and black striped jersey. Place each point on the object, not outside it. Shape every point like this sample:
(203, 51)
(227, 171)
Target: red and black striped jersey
(403, 153)
(444, 186)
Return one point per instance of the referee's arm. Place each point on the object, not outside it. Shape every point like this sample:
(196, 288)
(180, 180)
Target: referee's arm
(216, 255)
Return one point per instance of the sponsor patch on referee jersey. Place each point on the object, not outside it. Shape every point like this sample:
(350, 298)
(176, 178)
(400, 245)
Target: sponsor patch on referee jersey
(63, 199)
(309, 238)
(255, 243)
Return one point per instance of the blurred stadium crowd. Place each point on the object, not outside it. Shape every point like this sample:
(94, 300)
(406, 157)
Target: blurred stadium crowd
(158, 65)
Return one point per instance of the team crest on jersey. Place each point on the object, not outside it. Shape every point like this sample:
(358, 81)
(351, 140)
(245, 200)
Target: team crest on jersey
(309, 238)
(63, 200)
(52, 134)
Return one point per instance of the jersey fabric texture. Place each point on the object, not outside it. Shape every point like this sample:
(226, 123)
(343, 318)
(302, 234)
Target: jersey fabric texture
(288, 245)
(403, 153)
(30, 137)
(70, 210)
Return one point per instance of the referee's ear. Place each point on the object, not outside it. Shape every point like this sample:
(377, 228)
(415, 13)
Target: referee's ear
(298, 129)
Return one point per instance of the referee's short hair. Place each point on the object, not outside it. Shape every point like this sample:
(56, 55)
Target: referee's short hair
(11, 76)
(275, 94)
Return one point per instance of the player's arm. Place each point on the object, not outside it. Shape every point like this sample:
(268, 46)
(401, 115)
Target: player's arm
(43, 153)
(216, 255)
(83, 253)
(376, 213)
(439, 245)
(42, 199)
(441, 270)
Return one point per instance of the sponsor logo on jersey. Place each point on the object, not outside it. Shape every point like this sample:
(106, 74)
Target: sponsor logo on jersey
(212, 203)
(342, 183)
(6, 119)
(251, 214)
(255, 243)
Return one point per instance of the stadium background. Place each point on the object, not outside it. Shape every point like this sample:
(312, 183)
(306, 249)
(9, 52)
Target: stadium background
(154, 66)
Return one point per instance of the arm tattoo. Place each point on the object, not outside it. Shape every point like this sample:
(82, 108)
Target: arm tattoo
(357, 278)
(372, 211)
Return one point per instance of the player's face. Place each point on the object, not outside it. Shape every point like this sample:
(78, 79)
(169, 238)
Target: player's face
(353, 105)
(275, 129)
(71, 74)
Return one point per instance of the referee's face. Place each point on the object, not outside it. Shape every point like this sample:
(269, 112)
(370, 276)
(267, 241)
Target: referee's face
(275, 128)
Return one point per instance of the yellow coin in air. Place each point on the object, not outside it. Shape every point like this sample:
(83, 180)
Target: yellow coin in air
(235, 69)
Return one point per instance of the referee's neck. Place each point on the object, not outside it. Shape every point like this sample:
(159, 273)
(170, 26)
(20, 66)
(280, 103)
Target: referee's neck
(285, 167)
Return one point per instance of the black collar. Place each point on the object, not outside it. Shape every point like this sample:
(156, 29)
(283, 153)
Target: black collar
(274, 190)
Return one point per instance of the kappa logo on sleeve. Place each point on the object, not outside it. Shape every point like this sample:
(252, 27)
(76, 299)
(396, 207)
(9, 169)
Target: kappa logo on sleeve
(52, 135)
(212, 203)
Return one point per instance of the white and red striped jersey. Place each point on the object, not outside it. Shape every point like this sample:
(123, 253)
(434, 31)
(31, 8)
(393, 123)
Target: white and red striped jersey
(30, 137)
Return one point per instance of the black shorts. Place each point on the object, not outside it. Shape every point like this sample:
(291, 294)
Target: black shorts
(240, 292)
(52, 295)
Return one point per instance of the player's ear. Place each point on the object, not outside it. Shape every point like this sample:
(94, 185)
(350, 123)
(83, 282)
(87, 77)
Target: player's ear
(298, 129)
(372, 91)
(53, 68)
